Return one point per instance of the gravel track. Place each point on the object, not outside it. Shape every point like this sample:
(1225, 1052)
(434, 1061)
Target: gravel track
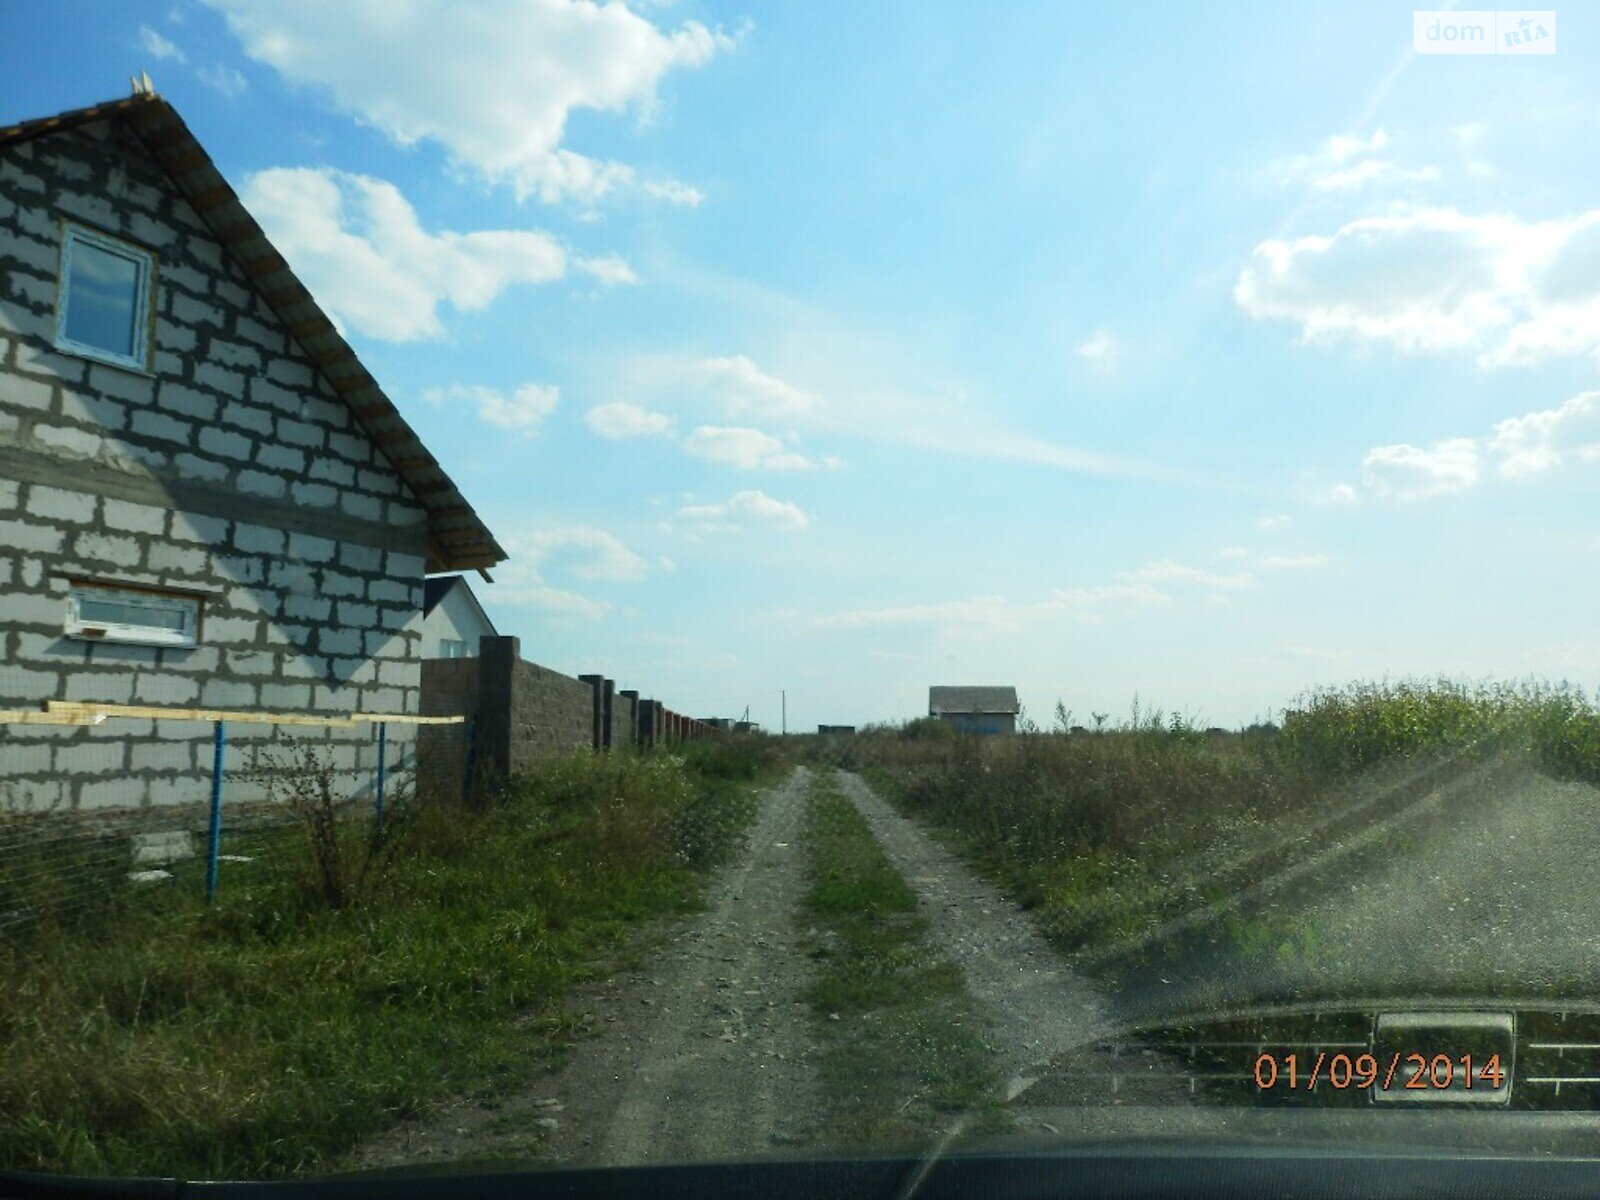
(703, 1053)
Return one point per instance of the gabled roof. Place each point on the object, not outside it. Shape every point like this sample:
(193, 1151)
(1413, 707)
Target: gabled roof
(436, 587)
(943, 700)
(457, 539)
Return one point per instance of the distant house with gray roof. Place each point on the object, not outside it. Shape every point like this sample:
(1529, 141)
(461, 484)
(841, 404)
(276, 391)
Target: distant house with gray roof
(981, 710)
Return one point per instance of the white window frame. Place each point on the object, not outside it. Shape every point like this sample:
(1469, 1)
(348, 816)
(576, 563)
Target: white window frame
(459, 644)
(139, 635)
(143, 296)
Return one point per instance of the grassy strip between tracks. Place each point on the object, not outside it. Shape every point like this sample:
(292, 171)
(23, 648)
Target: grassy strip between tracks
(902, 1055)
(268, 1034)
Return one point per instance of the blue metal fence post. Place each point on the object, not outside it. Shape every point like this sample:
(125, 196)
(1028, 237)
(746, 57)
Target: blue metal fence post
(466, 775)
(218, 739)
(383, 730)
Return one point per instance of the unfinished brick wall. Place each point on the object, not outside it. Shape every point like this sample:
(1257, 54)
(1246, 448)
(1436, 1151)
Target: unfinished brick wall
(231, 468)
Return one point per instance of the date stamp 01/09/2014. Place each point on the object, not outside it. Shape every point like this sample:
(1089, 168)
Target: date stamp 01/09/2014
(1399, 1071)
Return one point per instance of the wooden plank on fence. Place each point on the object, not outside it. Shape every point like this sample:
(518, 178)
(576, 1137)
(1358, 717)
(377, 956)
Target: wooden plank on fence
(196, 714)
(71, 712)
(35, 717)
(400, 719)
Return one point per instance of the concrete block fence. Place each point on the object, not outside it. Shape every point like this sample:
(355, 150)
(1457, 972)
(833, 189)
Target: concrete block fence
(521, 711)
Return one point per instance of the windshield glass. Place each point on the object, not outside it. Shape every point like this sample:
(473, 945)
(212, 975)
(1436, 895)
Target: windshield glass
(705, 581)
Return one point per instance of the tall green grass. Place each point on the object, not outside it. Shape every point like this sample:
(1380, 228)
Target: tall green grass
(266, 1035)
(1103, 830)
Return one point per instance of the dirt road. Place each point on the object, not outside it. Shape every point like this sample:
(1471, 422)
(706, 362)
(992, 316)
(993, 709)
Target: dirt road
(700, 1054)
(706, 1052)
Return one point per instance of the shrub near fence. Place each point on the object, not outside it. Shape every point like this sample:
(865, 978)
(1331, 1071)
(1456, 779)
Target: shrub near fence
(244, 793)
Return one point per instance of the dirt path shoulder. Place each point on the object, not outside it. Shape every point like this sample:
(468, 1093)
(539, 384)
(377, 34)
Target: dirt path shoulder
(703, 1052)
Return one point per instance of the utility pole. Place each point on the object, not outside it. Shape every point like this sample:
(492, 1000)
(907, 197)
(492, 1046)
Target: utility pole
(784, 728)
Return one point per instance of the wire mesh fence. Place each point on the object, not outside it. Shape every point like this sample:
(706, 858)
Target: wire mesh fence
(103, 803)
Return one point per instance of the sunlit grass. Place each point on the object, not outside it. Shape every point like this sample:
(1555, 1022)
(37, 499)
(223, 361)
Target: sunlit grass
(267, 1034)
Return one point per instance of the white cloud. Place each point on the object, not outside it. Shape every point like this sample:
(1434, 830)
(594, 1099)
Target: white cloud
(523, 411)
(745, 509)
(1292, 562)
(493, 83)
(621, 420)
(1437, 279)
(1541, 441)
(744, 389)
(1101, 351)
(1518, 447)
(358, 245)
(158, 47)
(1233, 552)
(1408, 472)
(609, 269)
(1342, 493)
(585, 552)
(1372, 172)
(1167, 571)
(1276, 521)
(744, 449)
(222, 78)
(1349, 163)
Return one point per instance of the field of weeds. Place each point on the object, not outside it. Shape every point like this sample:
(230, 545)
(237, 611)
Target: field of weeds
(1108, 832)
(308, 1008)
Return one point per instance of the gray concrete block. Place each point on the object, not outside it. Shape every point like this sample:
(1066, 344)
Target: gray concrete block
(338, 584)
(228, 693)
(315, 495)
(361, 616)
(165, 687)
(58, 504)
(15, 535)
(307, 608)
(359, 504)
(281, 458)
(331, 470)
(111, 794)
(108, 547)
(193, 467)
(230, 630)
(185, 400)
(226, 444)
(133, 518)
(308, 548)
(299, 433)
(31, 608)
(110, 686)
(339, 641)
(191, 527)
(184, 560)
(258, 539)
(287, 697)
(81, 443)
(22, 392)
(248, 416)
(260, 483)
(405, 566)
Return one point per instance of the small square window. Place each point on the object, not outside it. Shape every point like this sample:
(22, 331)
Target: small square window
(104, 307)
(451, 648)
(109, 613)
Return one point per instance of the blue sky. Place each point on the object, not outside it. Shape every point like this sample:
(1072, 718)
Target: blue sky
(849, 349)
